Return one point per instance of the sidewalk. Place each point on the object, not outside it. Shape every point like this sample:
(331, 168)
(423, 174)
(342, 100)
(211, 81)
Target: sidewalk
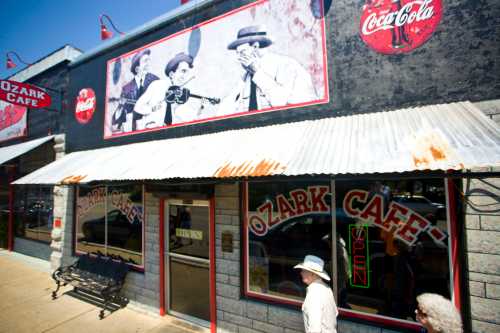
(26, 305)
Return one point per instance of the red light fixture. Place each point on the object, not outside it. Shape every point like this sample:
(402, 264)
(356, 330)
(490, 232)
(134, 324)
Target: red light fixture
(105, 33)
(9, 63)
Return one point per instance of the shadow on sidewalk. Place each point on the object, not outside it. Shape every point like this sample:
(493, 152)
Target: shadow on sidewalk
(94, 300)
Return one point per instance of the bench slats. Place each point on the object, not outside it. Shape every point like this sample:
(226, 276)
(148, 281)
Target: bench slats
(101, 275)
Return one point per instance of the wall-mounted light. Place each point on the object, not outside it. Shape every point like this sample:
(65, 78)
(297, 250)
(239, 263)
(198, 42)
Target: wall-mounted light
(9, 63)
(105, 33)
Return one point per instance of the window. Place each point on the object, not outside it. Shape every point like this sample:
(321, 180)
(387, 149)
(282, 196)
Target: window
(391, 243)
(33, 207)
(285, 222)
(110, 222)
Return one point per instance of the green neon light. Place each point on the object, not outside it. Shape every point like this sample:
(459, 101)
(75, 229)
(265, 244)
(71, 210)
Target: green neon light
(367, 257)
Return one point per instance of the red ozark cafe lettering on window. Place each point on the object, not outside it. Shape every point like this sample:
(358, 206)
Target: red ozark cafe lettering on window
(297, 203)
(126, 206)
(402, 222)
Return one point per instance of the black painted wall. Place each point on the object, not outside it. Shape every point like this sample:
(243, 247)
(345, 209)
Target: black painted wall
(459, 62)
(42, 122)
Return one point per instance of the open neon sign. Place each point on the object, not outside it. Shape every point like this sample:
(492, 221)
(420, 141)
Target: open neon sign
(359, 259)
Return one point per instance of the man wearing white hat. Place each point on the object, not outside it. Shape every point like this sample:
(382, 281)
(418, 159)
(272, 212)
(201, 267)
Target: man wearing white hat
(319, 308)
(267, 79)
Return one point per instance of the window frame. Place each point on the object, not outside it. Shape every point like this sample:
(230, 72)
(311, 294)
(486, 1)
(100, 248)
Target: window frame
(453, 259)
(138, 268)
(39, 189)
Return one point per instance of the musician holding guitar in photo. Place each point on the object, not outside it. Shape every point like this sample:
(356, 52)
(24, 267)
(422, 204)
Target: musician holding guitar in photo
(124, 119)
(168, 101)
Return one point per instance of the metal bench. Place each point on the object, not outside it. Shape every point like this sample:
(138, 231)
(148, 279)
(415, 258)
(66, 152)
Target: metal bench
(96, 275)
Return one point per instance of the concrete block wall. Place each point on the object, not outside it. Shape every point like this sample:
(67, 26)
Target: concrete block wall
(483, 253)
(143, 289)
(62, 250)
(482, 223)
(235, 314)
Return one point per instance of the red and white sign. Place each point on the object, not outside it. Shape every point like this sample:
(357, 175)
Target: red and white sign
(399, 26)
(298, 202)
(85, 105)
(23, 94)
(12, 121)
(404, 223)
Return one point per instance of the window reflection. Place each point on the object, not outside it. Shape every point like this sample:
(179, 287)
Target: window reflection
(110, 222)
(188, 230)
(391, 241)
(395, 238)
(33, 213)
(285, 224)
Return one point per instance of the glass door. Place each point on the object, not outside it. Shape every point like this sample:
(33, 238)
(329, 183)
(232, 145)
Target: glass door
(187, 260)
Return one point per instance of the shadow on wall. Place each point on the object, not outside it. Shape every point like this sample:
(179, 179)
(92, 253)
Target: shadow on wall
(487, 190)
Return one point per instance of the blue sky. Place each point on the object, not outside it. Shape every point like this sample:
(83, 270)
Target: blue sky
(35, 28)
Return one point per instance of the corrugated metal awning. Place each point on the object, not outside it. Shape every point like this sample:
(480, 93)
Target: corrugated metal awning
(438, 137)
(10, 152)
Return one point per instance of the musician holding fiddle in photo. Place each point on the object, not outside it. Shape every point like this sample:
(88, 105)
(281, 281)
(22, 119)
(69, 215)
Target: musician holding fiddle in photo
(168, 101)
(124, 119)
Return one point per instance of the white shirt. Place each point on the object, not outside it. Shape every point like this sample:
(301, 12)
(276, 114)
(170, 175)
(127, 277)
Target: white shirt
(280, 81)
(319, 309)
(152, 106)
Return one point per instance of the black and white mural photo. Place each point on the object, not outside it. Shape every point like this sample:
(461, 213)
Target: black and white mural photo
(243, 62)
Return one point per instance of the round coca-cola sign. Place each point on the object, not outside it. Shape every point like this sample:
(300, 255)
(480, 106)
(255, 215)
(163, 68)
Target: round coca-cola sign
(85, 105)
(399, 26)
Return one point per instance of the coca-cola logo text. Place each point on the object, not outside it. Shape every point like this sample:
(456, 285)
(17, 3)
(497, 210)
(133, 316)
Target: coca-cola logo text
(399, 26)
(85, 105)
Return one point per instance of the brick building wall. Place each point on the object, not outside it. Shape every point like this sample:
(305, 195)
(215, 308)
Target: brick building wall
(483, 242)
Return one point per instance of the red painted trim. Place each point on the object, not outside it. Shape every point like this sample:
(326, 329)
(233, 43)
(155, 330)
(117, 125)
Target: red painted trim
(143, 188)
(234, 115)
(162, 257)
(325, 54)
(452, 207)
(10, 227)
(244, 208)
(75, 219)
(213, 301)
(323, 100)
(381, 320)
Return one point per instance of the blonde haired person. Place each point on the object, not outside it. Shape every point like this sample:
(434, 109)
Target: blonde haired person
(437, 314)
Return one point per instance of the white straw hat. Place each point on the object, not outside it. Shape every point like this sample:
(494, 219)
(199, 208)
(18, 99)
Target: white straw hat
(314, 265)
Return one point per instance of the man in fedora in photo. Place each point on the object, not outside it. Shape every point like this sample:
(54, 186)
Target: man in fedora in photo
(124, 119)
(319, 309)
(267, 79)
(166, 101)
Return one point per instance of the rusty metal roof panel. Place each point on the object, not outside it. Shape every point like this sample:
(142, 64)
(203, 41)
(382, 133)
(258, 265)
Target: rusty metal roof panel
(438, 137)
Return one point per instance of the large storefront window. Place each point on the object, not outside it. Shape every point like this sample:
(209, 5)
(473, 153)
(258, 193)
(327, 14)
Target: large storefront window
(285, 222)
(110, 222)
(392, 245)
(33, 212)
(391, 242)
